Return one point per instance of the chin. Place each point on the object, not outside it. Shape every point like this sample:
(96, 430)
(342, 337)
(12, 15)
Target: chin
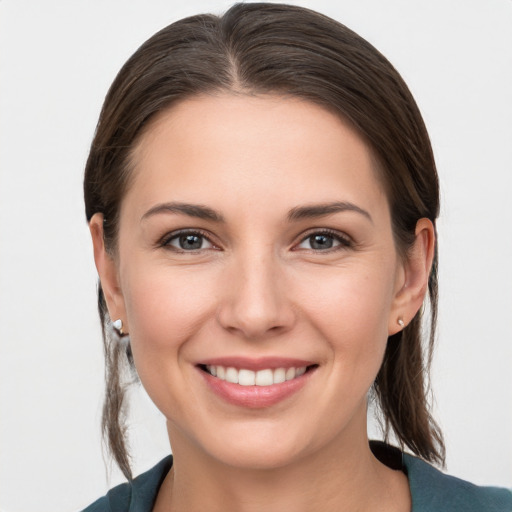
(253, 458)
(258, 447)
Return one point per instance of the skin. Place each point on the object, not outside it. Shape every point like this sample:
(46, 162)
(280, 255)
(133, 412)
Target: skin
(258, 287)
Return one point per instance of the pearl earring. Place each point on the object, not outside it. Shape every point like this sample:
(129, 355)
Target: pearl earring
(400, 322)
(118, 326)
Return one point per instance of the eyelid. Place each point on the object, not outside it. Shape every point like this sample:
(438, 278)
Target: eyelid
(165, 240)
(345, 241)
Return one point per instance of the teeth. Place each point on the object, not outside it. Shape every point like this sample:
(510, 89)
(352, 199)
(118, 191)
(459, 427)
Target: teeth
(279, 375)
(232, 375)
(265, 377)
(246, 378)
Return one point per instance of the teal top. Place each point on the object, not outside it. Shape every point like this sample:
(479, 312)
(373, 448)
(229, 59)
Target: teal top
(431, 490)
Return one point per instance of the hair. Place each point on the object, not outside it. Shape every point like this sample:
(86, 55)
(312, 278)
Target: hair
(261, 48)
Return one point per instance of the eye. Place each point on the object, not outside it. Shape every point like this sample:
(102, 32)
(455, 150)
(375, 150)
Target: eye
(187, 241)
(324, 241)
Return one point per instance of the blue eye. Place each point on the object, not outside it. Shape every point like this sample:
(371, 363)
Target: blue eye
(323, 241)
(190, 241)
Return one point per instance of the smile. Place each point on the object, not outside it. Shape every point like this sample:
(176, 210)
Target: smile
(264, 377)
(256, 383)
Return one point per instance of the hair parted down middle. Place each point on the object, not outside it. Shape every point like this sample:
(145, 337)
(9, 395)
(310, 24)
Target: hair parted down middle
(257, 49)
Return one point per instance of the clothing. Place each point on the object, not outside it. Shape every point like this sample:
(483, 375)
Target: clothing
(431, 490)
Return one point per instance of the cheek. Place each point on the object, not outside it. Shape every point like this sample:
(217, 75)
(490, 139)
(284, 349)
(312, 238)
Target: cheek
(350, 309)
(165, 307)
(354, 301)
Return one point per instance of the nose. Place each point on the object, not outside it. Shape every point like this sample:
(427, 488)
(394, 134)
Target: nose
(255, 300)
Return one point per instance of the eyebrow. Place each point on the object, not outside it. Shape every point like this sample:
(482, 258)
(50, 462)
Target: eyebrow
(320, 210)
(298, 213)
(192, 210)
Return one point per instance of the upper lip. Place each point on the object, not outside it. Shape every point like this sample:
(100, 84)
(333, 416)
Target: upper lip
(255, 364)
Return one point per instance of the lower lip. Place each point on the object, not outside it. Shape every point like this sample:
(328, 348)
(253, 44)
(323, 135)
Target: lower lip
(255, 397)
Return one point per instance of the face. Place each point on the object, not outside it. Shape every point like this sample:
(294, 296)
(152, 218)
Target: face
(257, 276)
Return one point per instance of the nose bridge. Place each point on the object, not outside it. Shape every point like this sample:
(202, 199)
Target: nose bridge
(255, 300)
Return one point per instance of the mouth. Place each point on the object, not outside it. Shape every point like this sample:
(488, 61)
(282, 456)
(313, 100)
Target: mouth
(256, 384)
(264, 377)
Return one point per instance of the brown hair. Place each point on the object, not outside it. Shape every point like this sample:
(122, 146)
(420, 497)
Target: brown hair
(261, 48)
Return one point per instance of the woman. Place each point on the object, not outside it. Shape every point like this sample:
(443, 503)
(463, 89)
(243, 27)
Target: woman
(262, 198)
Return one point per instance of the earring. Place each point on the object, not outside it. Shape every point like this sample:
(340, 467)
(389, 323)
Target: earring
(118, 326)
(401, 323)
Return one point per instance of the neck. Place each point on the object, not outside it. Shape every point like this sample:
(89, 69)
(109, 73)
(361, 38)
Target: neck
(343, 476)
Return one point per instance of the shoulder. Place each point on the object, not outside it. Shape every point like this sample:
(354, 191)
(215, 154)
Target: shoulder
(432, 490)
(138, 495)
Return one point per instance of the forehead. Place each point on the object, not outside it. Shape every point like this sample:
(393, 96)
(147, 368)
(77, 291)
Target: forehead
(265, 148)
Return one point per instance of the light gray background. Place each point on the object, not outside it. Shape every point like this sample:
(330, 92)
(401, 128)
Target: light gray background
(57, 61)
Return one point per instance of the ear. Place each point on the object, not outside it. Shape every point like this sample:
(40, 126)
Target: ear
(413, 281)
(107, 271)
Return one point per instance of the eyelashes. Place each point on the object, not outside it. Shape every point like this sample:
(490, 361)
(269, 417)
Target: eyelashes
(325, 240)
(187, 241)
(193, 241)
